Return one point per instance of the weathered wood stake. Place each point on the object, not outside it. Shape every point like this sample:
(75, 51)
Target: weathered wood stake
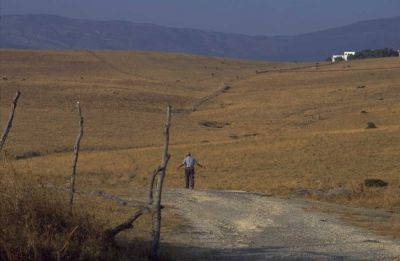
(10, 120)
(158, 174)
(76, 152)
(157, 206)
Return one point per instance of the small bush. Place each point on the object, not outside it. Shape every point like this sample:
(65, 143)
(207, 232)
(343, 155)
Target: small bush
(371, 125)
(213, 124)
(375, 183)
(226, 88)
(29, 154)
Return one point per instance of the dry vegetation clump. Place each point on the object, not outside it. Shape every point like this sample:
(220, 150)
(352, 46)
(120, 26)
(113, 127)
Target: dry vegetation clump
(371, 125)
(36, 224)
(372, 193)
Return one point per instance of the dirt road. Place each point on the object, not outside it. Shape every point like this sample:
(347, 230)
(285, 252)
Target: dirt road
(223, 225)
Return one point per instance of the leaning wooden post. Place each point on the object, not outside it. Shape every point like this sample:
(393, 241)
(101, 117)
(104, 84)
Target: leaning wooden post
(157, 206)
(10, 120)
(76, 152)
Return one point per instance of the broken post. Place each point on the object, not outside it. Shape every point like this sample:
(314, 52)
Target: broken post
(161, 175)
(10, 120)
(76, 152)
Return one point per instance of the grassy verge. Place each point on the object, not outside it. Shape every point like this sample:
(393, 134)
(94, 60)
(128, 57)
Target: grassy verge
(36, 224)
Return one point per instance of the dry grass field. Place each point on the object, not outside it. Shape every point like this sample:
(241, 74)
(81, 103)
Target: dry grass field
(281, 128)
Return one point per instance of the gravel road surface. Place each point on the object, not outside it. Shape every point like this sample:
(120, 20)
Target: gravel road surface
(234, 225)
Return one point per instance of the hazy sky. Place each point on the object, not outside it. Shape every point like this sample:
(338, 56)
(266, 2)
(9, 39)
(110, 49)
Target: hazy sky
(255, 17)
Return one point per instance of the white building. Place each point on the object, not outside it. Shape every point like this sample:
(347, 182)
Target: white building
(344, 56)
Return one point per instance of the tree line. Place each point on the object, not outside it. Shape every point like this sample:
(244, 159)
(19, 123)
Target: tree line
(377, 53)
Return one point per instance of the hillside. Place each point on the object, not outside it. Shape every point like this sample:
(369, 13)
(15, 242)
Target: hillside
(292, 127)
(289, 130)
(53, 32)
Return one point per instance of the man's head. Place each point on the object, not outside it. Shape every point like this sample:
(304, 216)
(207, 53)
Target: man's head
(189, 154)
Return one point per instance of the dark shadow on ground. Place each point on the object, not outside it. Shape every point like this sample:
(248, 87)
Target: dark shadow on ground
(171, 252)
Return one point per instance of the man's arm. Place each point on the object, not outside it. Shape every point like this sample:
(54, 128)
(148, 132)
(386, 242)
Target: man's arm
(201, 166)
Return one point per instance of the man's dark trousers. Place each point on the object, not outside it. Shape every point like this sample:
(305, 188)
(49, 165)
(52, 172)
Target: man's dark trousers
(189, 177)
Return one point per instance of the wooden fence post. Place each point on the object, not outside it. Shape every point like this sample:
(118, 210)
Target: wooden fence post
(157, 207)
(76, 152)
(152, 207)
(10, 120)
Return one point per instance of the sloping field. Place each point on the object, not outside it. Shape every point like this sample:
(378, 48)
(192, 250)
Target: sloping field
(279, 128)
(123, 95)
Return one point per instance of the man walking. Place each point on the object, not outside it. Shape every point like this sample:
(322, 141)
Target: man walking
(189, 162)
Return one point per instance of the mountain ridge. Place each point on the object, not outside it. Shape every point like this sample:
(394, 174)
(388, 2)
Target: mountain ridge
(58, 32)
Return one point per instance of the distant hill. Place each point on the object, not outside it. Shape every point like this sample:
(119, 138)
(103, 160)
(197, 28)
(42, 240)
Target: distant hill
(54, 32)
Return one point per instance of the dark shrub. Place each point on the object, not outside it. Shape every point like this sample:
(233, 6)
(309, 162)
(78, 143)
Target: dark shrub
(371, 125)
(375, 183)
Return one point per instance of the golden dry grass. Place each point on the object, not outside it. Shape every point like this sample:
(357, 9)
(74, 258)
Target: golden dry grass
(36, 225)
(295, 126)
